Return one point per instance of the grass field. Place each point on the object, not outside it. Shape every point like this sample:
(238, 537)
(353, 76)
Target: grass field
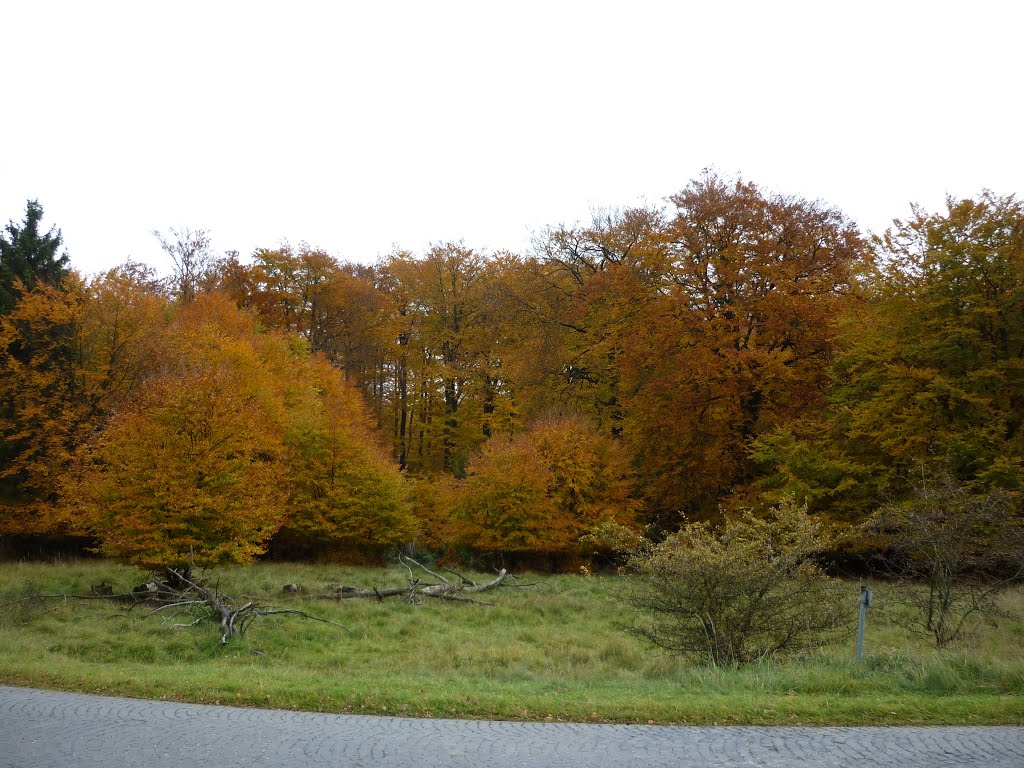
(556, 651)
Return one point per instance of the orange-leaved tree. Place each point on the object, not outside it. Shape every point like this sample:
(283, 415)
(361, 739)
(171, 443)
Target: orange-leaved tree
(43, 408)
(69, 356)
(737, 341)
(543, 490)
(192, 469)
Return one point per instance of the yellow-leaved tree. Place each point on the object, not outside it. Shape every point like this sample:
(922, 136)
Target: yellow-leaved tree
(344, 491)
(69, 357)
(543, 491)
(44, 410)
(234, 434)
(192, 470)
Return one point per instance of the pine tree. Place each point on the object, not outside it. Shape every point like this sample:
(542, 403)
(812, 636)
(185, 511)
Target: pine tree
(29, 256)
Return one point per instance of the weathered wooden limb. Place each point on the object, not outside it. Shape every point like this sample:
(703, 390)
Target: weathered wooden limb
(373, 594)
(464, 579)
(178, 593)
(303, 614)
(495, 582)
(441, 589)
(458, 598)
(423, 568)
(126, 597)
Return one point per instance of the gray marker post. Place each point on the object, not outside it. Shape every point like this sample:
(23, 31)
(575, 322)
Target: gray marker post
(865, 601)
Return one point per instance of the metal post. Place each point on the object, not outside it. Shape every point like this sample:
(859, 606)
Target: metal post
(865, 601)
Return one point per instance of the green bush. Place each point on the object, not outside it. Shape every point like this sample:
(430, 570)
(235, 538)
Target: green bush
(738, 593)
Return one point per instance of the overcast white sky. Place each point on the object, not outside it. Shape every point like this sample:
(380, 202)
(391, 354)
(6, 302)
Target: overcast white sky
(357, 126)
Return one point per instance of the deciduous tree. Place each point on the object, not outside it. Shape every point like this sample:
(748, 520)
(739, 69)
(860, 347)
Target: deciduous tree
(68, 358)
(193, 469)
(344, 491)
(193, 260)
(543, 490)
(738, 340)
(956, 550)
(44, 408)
(929, 367)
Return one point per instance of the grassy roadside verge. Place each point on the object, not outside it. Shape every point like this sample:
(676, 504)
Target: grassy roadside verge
(554, 652)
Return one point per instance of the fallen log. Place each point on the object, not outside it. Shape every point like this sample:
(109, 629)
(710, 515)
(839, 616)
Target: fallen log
(416, 588)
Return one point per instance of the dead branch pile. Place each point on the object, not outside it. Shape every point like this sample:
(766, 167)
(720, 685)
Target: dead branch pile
(185, 598)
(181, 594)
(178, 593)
(416, 588)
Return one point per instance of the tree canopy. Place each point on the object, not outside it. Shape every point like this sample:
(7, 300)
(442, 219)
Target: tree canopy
(658, 366)
(929, 367)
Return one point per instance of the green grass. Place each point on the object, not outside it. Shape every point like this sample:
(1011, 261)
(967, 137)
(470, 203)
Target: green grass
(553, 652)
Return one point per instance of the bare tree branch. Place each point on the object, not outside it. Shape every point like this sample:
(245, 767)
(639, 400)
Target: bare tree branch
(180, 593)
(415, 589)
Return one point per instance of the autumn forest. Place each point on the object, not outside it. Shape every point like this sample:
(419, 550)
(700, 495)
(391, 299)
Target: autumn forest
(660, 365)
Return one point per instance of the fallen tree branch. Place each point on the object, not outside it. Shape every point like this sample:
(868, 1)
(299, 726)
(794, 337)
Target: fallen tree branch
(235, 620)
(180, 593)
(62, 596)
(439, 589)
(303, 614)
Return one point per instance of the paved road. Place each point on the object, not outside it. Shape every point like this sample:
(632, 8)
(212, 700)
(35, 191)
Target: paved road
(42, 729)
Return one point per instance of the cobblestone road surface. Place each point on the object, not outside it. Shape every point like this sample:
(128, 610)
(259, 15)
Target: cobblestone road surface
(43, 728)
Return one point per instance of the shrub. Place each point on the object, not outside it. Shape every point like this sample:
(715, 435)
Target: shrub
(739, 593)
(954, 550)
